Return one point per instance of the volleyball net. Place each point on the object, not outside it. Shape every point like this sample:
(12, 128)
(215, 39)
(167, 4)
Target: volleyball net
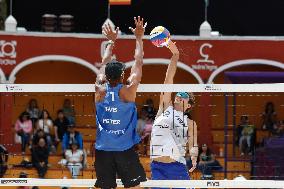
(148, 184)
(250, 88)
(228, 102)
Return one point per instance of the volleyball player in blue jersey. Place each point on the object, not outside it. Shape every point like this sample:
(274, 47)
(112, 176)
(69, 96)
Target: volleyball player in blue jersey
(116, 116)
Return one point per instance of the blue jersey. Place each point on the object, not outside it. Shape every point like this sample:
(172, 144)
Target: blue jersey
(116, 122)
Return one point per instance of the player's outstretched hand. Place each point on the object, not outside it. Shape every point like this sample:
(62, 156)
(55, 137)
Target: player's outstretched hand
(173, 48)
(194, 163)
(109, 32)
(139, 29)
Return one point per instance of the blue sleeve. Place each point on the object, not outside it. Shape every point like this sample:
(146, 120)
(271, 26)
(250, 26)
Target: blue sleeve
(80, 141)
(64, 141)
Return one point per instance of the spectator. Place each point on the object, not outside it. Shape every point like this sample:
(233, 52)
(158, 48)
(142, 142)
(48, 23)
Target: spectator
(74, 157)
(149, 108)
(45, 123)
(239, 128)
(279, 129)
(33, 110)
(269, 117)
(144, 128)
(141, 122)
(246, 133)
(38, 135)
(207, 162)
(69, 111)
(40, 157)
(70, 137)
(23, 128)
(60, 126)
(4, 155)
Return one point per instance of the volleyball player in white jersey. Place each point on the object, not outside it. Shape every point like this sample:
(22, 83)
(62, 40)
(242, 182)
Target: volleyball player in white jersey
(172, 131)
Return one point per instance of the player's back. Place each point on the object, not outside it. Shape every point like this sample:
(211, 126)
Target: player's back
(116, 121)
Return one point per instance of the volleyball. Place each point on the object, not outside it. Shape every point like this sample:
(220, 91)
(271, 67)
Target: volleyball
(160, 36)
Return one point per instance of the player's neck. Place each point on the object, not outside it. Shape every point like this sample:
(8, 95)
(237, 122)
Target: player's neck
(114, 84)
(178, 107)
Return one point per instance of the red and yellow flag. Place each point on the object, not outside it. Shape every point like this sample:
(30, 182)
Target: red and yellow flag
(120, 2)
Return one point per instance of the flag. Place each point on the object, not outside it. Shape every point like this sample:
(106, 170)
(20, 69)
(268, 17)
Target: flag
(119, 2)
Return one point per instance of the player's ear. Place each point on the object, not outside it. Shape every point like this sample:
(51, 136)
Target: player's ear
(189, 106)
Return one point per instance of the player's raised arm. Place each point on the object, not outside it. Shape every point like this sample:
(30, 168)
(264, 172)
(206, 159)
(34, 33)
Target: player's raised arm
(136, 70)
(192, 143)
(165, 98)
(111, 35)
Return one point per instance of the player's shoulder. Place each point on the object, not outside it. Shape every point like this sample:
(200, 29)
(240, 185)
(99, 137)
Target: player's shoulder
(100, 87)
(127, 93)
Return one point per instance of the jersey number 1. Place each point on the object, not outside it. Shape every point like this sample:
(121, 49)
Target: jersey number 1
(112, 95)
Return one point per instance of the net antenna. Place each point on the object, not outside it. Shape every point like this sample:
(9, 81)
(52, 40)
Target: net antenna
(206, 7)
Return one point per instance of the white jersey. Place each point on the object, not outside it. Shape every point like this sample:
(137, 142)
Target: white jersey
(169, 135)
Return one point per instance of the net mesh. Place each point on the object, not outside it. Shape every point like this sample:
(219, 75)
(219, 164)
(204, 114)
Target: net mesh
(222, 105)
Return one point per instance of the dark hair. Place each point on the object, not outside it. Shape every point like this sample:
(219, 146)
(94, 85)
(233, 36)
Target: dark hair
(208, 152)
(73, 143)
(245, 117)
(66, 100)
(39, 130)
(30, 103)
(60, 111)
(114, 70)
(149, 101)
(22, 115)
(42, 114)
(23, 175)
(267, 106)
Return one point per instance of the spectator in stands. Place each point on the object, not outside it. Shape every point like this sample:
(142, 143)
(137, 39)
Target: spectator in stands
(207, 162)
(4, 155)
(144, 128)
(70, 137)
(46, 124)
(38, 135)
(33, 110)
(60, 126)
(74, 157)
(269, 117)
(23, 128)
(40, 157)
(69, 111)
(279, 129)
(239, 128)
(148, 107)
(245, 133)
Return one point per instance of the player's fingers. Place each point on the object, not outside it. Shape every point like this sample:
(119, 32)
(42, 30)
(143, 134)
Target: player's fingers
(142, 22)
(109, 28)
(135, 20)
(106, 29)
(117, 29)
(103, 29)
(131, 29)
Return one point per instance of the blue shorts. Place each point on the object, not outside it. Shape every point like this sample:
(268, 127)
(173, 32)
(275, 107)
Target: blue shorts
(169, 171)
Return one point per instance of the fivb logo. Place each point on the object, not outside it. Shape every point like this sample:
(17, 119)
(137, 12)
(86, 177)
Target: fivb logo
(8, 48)
(213, 184)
